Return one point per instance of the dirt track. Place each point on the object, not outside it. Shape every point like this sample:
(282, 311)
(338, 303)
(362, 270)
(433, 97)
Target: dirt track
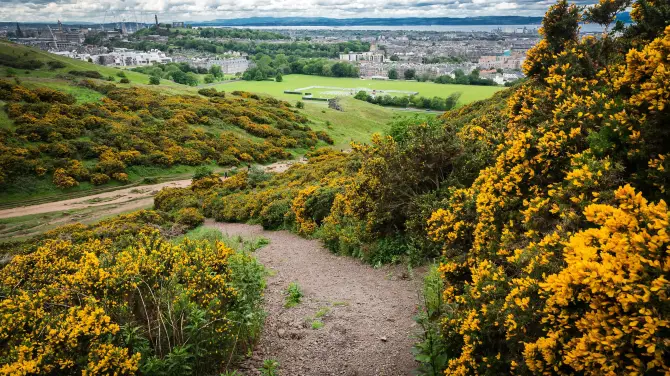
(124, 199)
(368, 328)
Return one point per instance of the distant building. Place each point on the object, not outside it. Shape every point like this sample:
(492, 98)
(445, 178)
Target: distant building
(228, 66)
(121, 57)
(513, 60)
(177, 24)
(363, 56)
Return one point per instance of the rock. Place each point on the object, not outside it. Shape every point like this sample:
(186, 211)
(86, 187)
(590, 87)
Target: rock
(383, 339)
(281, 332)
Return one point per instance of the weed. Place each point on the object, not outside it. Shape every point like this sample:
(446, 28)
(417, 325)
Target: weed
(317, 324)
(293, 295)
(322, 312)
(270, 368)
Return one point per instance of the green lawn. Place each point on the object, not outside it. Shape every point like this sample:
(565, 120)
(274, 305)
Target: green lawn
(357, 122)
(469, 93)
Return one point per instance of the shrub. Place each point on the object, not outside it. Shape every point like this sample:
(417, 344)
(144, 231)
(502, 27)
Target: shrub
(300, 104)
(99, 295)
(120, 176)
(190, 217)
(169, 199)
(154, 80)
(88, 73)
(202, 172)
(62, 180)
(55, 64)
(99, 179)
(212, 92)
(124, 80)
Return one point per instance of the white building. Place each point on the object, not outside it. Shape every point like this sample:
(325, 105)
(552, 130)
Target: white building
(121, 57)
(372, 56)
(228, 66)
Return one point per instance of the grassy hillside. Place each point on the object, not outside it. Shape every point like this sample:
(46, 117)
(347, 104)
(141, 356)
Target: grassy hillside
(48, 77)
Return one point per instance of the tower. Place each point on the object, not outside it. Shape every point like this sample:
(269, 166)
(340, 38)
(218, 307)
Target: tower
(156, 18)
(19, 33)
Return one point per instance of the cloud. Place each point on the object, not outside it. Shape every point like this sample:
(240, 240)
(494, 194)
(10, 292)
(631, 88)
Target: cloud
(202, 10)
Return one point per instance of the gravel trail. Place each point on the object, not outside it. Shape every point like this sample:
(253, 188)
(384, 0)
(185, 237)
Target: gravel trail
(368, 328)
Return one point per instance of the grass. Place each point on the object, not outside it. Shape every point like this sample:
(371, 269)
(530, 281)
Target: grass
(213, 235)
(322, 312)
(25, 52)
(469, 93)
(293, 295)
(357, 122)
(5, 122)
(317, 324)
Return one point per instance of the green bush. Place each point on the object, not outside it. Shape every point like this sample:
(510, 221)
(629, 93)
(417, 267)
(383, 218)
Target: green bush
(88, 73)
(55, 64)
(273, 216)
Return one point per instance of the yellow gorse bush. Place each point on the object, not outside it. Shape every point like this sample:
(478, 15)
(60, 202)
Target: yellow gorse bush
(91, 308)
(554, 262)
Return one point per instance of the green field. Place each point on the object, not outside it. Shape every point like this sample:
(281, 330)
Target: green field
(469, 93)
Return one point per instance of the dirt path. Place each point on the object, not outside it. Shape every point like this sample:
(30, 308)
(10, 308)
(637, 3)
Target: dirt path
(368, 328)
(125, 199)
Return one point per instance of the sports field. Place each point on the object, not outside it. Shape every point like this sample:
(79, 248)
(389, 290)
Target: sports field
(329, 87)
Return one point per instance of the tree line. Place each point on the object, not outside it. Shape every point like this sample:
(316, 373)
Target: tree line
(435, 103)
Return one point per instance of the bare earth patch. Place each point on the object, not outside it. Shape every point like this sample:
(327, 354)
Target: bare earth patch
(366, 313)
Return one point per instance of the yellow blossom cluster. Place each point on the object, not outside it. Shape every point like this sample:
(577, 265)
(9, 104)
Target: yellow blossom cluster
(90, 307)
(532, 286)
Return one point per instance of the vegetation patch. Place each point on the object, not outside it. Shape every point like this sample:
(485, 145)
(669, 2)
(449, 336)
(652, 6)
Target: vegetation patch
(120, 291)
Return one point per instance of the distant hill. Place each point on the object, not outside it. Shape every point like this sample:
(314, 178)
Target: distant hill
(407, 21)
(324, 21)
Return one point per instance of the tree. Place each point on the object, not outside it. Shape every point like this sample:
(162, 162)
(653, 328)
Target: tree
(279, 78)
(209, 78)
(394, 58)
(362, 95)
(410, 74)
(216, 71)
(393, 74)
(452, 100)
(154, 80)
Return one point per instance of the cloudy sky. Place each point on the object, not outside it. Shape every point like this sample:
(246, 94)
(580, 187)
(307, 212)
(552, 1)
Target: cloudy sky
(200, 10)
